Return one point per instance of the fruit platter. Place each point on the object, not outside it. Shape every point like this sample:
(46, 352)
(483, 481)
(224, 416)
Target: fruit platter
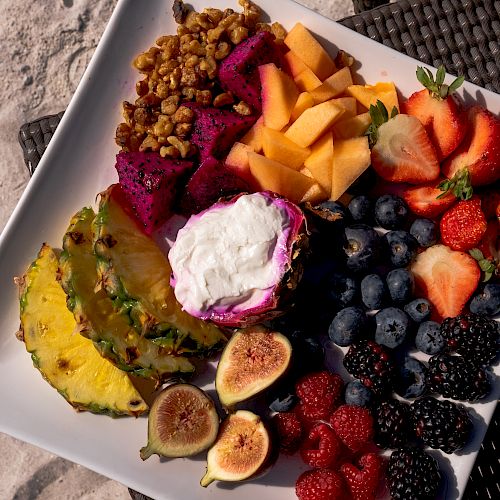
(259, 258)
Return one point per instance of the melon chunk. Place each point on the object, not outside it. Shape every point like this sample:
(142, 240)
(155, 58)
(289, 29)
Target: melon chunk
(354, 126)
(307, 81)
(301, 41)
(333, 86)
(313, 122)
(314, 195)
(370, 94)
(237, 161)
(277, 147)
(320, 161)
(253, 137)
(349, 104)
(305, 101)
(273, 176)
(279, 95)
(295, 64)
(351, 157)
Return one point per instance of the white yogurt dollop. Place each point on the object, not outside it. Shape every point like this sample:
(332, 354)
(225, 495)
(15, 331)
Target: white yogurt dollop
(227, 257)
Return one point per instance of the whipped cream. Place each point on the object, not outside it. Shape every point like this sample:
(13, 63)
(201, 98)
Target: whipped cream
(228, 257)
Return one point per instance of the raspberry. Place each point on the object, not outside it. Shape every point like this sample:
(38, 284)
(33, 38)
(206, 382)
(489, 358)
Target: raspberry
(363, 482)
(310, 415)
(354, 425)
(289, 430)
(320, 484)
(320, 388)
(321, 448)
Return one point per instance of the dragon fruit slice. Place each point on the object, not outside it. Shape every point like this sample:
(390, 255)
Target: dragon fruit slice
(239, 73)
(212, 180)
(215, 130)
(237, 262)
(149, 183)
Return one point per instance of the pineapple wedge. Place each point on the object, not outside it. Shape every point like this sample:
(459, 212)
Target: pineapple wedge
(68, 361)
(111, 331)
(136, 275)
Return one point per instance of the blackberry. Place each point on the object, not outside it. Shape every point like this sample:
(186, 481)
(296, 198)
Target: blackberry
(441, 424)
(392, 423)
(473, 336)
(453, 377)
(412, 474)
(372, 364)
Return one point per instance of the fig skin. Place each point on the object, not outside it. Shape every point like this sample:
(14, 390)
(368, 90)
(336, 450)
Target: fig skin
(248, 381)
(246, 420)
(168, 442)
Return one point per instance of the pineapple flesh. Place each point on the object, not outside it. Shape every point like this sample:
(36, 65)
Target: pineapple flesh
(136, 275)
(111, 331)
(68, 361)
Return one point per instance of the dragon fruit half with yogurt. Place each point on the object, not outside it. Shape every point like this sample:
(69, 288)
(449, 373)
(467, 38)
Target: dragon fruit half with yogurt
(236, 262)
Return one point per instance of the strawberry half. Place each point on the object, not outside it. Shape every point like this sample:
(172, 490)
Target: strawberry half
(427, 200)
(463, 226)
(447, 278)
(438, 111)
(403, 151)
(479, 152)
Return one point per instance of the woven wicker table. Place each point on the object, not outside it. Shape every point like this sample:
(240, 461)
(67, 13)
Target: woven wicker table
(461, 34)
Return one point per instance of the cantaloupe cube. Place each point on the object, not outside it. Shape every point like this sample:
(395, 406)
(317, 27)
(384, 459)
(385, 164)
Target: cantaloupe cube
(305, 46)
(369, 94)
(313, 122)
(277, 147)
(305, 101)
(333, 86)
(295, 64)
(314, 195)
(354, 126)
(279, 95)
(237, 161)
(273, 176)
(320, 161)
(351, 157)
(307, 81)
(349, 104)
(305, 171)
(253, 137)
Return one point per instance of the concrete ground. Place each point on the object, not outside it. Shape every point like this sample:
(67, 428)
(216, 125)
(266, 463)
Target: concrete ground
(45, 46)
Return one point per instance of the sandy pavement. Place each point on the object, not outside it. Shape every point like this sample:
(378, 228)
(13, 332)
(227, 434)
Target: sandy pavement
(45, 45)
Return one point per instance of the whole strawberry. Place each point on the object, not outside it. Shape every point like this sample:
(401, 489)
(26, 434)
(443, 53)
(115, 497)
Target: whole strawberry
(289, 431)
(363, 481)
(353, 425)
(321, 448)
(463, 226)
(320, 484)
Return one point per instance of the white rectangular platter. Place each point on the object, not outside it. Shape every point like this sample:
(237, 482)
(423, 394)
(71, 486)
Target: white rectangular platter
(77, 165)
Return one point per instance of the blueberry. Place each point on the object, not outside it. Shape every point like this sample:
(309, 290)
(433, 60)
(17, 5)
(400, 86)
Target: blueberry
(362, 247)
(400, 283)
(402, 247)
(419, 310)
(390, 211)
(374, 292)
(357, 394)
(413, 378)
(347, 326)
(424, 231)
(429, 338)
(392, 327)
(487, 302)
(361, 209)
(342, 289)
(284, 400)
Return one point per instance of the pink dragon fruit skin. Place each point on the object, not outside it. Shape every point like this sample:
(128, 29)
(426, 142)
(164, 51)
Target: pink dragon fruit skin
(291, 248)
(238, 72)
(215, 130)
(211, 181)
(149, 183)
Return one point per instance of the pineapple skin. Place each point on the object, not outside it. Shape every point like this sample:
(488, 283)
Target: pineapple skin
(136, 275)
(67, 361)
(114, 337)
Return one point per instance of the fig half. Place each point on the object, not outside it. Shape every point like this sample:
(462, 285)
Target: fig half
(252, 361)
(242, 449)
(182, 422)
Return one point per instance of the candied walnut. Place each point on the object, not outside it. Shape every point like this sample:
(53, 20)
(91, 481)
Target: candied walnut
(128, 111)
(169, 105)
(189, 93)
(162, 89)
(215, 15)
(146, 61)
(204, 97)
(175, 78)
(209, 65)
(189, 77)
(343, 60)
(170, 151)
(182, 130)
(279, 32)
(210, 49)
(142, 87)
(242, 108)
(180, 11)
(141, 116)
(122, 135)
(183, 115)
(223, 49)
(239, 34)
(251, 12)
(214, 34)
(183, 146)
(147, 100)
(163, 127)
(204, 21)
(149, 143)
(223, 99)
